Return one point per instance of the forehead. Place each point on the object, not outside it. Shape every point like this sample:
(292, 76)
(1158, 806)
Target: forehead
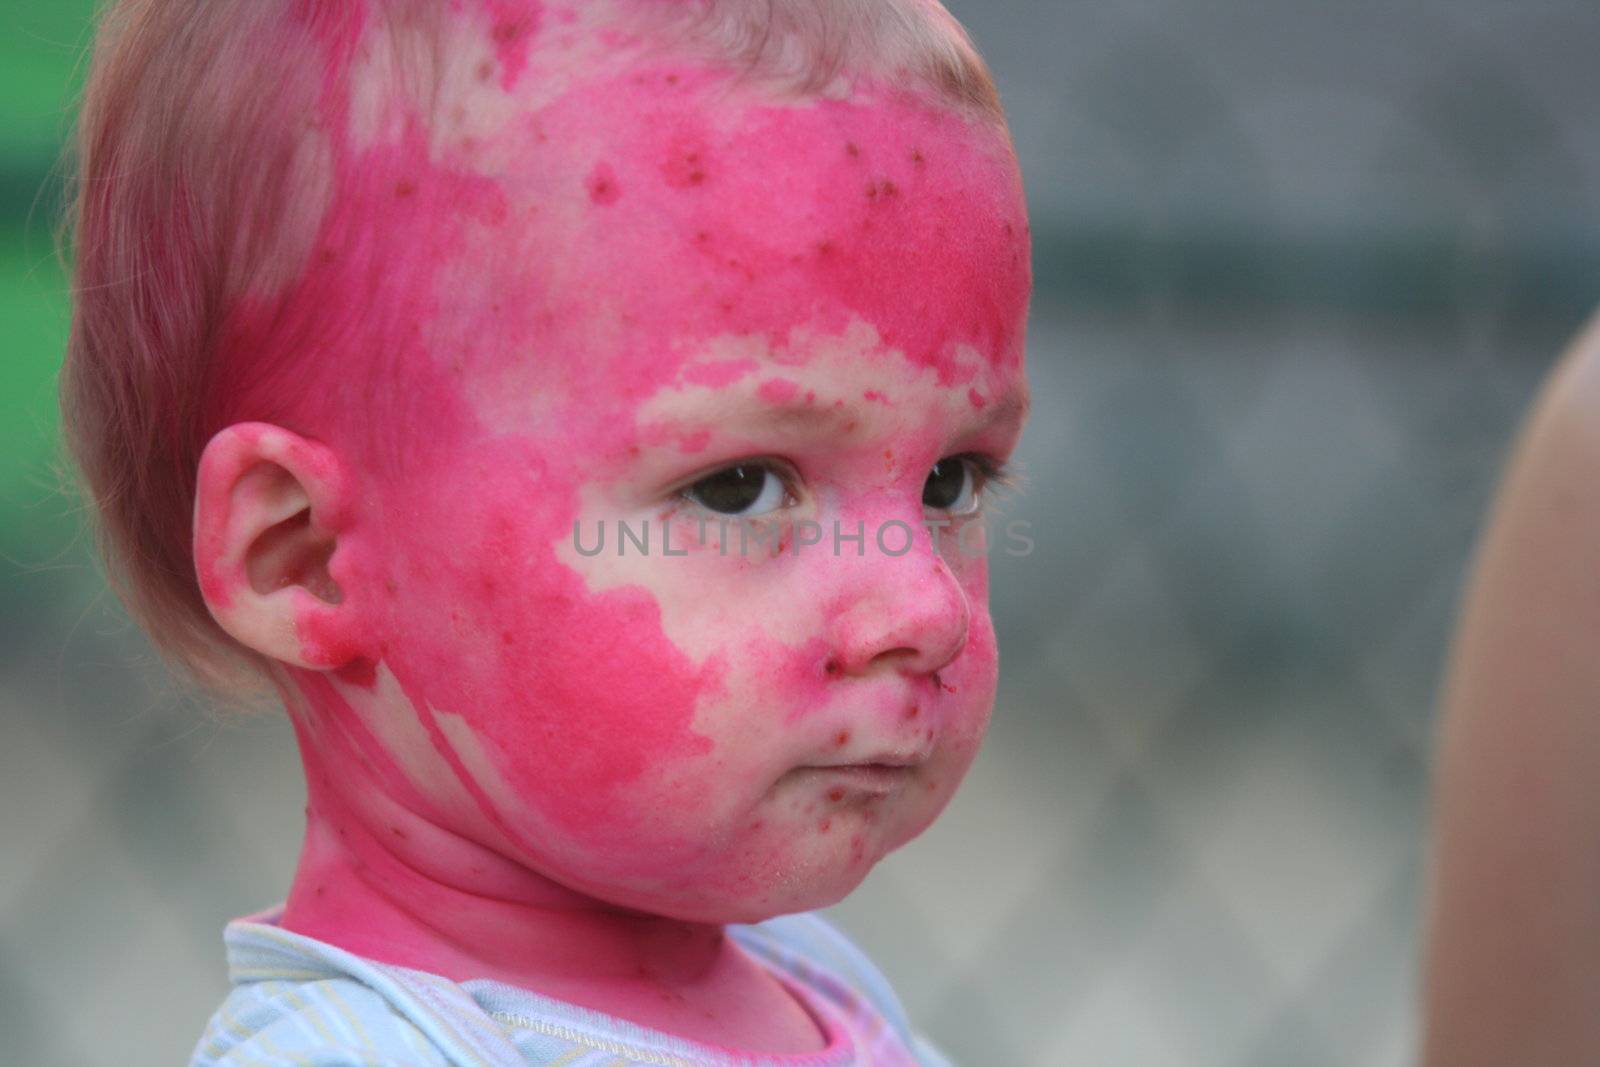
(643, 213)
(591, 217)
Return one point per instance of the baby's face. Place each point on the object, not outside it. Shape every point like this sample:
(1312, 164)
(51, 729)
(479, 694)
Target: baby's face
(659, 301)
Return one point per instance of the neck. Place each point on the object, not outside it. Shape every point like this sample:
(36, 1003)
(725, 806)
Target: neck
(380, 876)
(383, 875)
(414, 894)
(386, 877)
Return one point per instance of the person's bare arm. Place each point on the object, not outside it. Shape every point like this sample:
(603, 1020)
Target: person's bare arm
(1512, 961)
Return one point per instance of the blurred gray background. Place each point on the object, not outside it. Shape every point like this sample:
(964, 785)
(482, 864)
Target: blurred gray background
(1300, 269)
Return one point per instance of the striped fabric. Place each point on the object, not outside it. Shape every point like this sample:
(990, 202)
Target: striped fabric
(298, 1001)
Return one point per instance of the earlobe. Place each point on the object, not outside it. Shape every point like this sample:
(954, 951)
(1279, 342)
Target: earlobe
(269, 515)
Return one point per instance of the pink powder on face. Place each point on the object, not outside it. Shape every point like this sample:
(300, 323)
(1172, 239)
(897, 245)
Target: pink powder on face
(777, 390)
(575, 693)
(544, 285)
(514, 24)
(921, 233)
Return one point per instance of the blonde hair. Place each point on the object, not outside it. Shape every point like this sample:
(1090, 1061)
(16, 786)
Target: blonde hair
(199, 180)
(807, 45)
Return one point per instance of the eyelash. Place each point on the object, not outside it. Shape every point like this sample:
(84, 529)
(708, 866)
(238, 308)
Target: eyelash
(992, 473)
(996, 473)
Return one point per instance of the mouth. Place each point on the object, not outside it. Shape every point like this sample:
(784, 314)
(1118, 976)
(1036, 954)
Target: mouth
(877, 778)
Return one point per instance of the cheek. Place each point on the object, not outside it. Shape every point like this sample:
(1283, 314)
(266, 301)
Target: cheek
(970, 679)
(971, 684)
(573, 695)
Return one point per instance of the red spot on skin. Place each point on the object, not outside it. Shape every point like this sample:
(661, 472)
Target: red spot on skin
(852, 150)
(875, 396)
(912, 711)
(836, 794)
(842, 738)
(695, 442)
(825, 825)
(404, 188)
(977, 399)
(882, 190)
(916, 156)
(686, 163)
(602, 184)
(484, 71)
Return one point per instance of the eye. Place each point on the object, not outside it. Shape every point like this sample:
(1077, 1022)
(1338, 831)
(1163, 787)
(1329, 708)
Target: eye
(954, 484)
(742, 490)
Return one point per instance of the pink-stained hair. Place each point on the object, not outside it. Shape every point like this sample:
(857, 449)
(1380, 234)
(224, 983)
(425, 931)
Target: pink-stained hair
(201, 178)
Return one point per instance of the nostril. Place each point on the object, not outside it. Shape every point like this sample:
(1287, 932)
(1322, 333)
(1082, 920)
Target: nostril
(832, 667)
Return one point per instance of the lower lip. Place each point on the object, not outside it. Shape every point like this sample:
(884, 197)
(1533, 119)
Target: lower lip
(864, 777)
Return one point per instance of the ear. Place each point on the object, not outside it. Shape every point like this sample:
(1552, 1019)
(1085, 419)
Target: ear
(268, 514)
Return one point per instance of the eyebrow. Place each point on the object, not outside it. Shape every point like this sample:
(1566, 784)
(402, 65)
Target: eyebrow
(1012, 407)
(797, 416)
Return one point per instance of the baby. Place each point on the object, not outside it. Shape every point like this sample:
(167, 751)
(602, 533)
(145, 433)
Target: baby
(578, 415)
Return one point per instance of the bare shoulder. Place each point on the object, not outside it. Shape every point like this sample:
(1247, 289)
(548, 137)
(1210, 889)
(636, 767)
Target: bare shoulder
(1513, 953)
(1540, 552)
(1563, 430)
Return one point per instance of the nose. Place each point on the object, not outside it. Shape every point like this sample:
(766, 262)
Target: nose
(907, 613)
